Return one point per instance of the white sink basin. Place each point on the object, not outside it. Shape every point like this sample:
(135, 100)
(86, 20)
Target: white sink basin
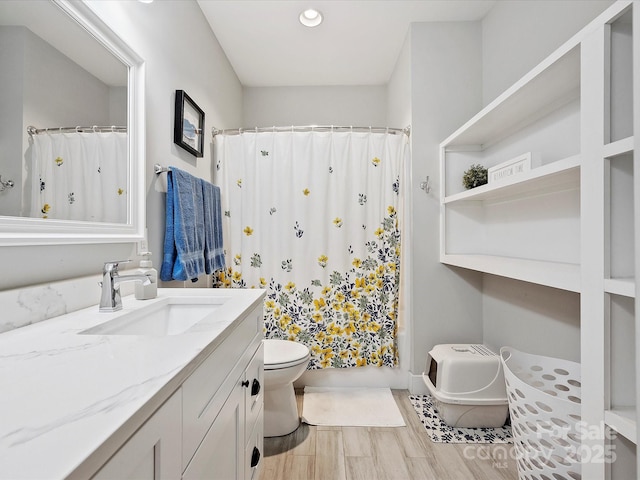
(173, 317)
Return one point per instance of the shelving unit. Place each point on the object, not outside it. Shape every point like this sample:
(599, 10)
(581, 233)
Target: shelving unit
(485, 229)
(552, 274)
(622, 420)
(560, 175)
(620, 286)
(614, 166)
(636, 199)
(569, 222)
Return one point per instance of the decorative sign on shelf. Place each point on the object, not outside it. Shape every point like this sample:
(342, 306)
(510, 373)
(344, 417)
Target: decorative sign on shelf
(520, 164)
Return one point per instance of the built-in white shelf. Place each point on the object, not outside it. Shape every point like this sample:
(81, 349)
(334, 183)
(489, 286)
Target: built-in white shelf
(620, 286)
(564, 276)
(561, 175)
(618, 148)
(553, 82)
(623, 421)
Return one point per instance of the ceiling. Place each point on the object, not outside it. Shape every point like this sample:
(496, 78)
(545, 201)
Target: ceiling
(357, 44)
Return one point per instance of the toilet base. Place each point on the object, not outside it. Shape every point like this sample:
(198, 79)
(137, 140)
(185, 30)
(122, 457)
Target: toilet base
(281, 411)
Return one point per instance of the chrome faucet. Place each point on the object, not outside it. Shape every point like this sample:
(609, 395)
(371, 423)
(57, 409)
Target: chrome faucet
(110, 300)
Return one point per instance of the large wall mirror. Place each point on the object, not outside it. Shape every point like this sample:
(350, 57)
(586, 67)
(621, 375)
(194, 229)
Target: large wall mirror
(71, 127)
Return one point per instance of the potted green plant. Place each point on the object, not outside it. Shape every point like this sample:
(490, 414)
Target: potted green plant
(474, 177)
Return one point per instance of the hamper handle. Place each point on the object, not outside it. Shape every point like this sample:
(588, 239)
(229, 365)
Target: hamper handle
(504, 351)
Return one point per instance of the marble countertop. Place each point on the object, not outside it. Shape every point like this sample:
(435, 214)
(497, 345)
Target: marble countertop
(68, 400)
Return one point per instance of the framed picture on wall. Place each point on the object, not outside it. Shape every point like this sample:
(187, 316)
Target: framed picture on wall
(188, 131)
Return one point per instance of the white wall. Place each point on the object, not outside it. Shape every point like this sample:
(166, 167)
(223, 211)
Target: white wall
(446, 90)
(180, 52)
(334, 105)
(519, 34)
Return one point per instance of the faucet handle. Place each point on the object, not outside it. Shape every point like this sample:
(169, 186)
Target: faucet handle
(113, 266)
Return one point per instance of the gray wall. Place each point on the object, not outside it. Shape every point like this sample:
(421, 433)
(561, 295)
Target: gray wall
(532, 318)
(399, 87)
(446, 68)
(519, 34)
(332, 105)
(11, 76)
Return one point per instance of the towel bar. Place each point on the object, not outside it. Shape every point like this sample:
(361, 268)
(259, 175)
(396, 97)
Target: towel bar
(5, 184)
(158, 169)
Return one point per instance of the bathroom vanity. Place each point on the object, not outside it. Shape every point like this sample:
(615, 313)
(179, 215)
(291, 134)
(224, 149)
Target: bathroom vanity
(164, 388)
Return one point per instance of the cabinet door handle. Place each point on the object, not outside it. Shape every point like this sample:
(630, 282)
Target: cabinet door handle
(255, 457)
(245, 383)
(255, 387)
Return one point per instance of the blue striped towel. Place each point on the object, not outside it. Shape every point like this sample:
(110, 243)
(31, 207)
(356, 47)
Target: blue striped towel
(213, 249)
(184, 238)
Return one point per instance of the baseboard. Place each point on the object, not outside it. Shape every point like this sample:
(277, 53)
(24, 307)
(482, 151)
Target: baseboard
(417, 385)
(363, 377)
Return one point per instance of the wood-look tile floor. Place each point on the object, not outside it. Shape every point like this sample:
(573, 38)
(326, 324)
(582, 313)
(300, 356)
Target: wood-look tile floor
(375, 453)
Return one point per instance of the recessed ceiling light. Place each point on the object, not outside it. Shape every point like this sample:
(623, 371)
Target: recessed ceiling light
(145, 1)
(310, 18)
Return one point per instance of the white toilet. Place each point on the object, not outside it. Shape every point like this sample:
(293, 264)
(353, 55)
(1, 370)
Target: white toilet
(284, 362)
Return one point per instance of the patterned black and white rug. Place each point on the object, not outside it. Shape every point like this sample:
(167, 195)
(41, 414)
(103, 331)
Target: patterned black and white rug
(440, 432)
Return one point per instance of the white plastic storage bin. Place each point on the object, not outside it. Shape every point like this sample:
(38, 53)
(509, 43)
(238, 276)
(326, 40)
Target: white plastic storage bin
(467, 384)
(544, 399)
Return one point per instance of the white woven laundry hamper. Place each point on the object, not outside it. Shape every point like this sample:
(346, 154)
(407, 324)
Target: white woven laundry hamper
(544, 404)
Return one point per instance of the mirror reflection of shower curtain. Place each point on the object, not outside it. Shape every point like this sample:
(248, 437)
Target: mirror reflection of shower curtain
(80, 176)
(313, 218)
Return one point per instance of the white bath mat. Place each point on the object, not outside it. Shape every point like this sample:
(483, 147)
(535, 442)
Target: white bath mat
(440, 432)
(350, 407)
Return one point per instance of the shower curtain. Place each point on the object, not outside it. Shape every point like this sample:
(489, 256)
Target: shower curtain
(79, 176)
(313, 218)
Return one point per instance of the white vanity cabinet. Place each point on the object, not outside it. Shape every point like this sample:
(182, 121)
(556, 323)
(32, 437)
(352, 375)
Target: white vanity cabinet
(221, 454)
(230, 448)
(254, 416)
(153, 452)
(211, 427)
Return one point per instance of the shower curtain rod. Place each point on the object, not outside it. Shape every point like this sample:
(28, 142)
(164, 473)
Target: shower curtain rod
(31, 130)
(313, 128)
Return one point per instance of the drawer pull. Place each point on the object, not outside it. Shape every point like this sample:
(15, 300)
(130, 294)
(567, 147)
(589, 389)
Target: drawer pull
(255, 457)
(245, 383)
(255, 387)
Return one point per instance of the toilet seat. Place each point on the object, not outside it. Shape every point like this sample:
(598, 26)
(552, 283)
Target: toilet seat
(280, 354)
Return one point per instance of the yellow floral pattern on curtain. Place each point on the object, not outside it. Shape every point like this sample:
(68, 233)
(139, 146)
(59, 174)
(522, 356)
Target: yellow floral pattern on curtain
(332, 283)
(351, 320)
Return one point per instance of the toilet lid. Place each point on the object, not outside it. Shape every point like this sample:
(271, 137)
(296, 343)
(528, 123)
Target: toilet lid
(283, 353)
